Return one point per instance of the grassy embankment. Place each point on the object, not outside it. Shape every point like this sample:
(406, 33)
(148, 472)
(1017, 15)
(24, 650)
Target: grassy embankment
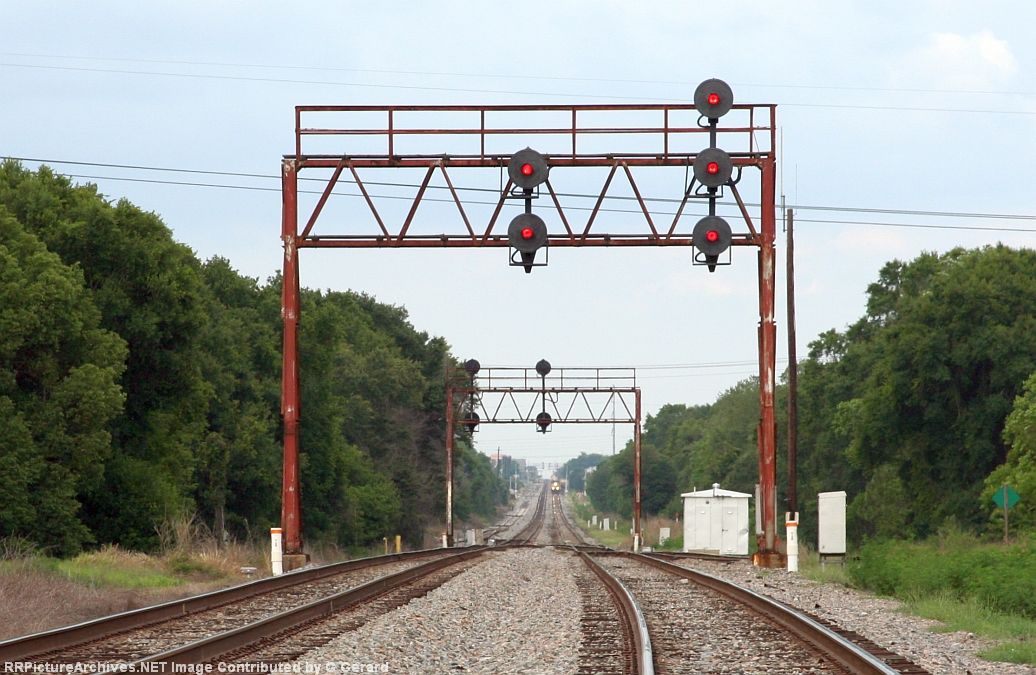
(619, 536)
(40, 592)
(988, 589)
(985, 588)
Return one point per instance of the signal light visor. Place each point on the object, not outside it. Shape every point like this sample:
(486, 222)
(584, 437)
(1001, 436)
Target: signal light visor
(713, 167)
(713, 98)
(527, 168)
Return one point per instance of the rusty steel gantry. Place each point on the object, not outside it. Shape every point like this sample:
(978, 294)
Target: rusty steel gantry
(542, 396)
(338, 141)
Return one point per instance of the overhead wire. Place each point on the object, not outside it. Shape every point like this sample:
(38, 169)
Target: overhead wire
(801, 207)
(508, 76)
(512, 76)
(468, 90)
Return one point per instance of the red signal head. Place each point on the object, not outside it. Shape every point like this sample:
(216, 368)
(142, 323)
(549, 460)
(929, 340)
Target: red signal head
(712, 168)
(712, 236)
(528, 169)
(713, 98)
(528, 233)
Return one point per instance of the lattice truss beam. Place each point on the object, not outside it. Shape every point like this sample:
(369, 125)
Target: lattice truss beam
(573, 406)
(370, 140)
(569, 395)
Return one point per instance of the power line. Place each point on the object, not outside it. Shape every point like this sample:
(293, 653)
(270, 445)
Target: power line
(842, 209)
(695, 366)
(571, 208)
(514, 76)
(329, 83)
(332, 83)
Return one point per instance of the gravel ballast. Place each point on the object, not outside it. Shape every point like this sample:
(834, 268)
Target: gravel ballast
(517, 612)
(879, 619)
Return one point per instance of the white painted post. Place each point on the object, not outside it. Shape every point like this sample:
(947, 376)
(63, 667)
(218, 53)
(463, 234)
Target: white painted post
(594, 519)
(663, 535)
(606, 525)
(276, 552)
(792, 537)
(444, 540)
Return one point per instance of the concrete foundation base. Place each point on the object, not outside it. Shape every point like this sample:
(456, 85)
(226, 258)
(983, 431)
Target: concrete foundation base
(293, 561)
(768, 559)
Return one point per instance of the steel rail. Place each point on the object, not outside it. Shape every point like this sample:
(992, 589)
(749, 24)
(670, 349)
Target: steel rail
(694, 555)
(583, 541)
(635, 625)
(62, 638)
(215, 646)
(847, 654)
(529, 532)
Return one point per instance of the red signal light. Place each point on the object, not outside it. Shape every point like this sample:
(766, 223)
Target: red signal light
(712, 236)
(713, 98)
(528, 233)
(712, 168)
(527, 169)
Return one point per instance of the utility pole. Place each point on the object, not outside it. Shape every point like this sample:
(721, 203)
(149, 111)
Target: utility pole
(793, 375)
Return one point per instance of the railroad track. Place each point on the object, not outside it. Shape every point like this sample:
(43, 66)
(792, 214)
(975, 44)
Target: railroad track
(288, 635)
(125, 637)
(633, 614)
(685, 609)
(703, 624)
(531, 530)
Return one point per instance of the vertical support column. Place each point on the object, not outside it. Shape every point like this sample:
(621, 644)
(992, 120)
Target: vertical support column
(768, 554)
(449, 465)
(291, 512)
(636, 476)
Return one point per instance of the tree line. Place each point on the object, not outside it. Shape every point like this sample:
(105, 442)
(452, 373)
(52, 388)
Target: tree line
(138, 384)
(920, 410)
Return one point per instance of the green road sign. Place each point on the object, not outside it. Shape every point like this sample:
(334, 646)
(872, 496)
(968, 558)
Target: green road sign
(1005, 493)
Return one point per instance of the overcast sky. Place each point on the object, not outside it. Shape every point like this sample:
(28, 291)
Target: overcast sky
(884, 108)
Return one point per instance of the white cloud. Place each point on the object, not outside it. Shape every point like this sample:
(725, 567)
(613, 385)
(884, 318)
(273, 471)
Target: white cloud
(954, 61)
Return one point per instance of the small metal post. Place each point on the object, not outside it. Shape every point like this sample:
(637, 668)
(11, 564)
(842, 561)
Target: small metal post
(636, 477)
(1005, 512)
(449, 466)
(791, 519)
(276, 553)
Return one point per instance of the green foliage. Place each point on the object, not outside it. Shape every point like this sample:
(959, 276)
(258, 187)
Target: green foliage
(610, 486)
(58, 392)
(954, 337)
(575, 469)
(883, 509)
(671, 544)
(1013, 652)
(1019, 470)
(905, 410)
(87, 570)
(139, 384)
(1002, 578)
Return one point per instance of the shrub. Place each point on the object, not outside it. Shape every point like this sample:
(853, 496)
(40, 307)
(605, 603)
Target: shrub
(1001, 577)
